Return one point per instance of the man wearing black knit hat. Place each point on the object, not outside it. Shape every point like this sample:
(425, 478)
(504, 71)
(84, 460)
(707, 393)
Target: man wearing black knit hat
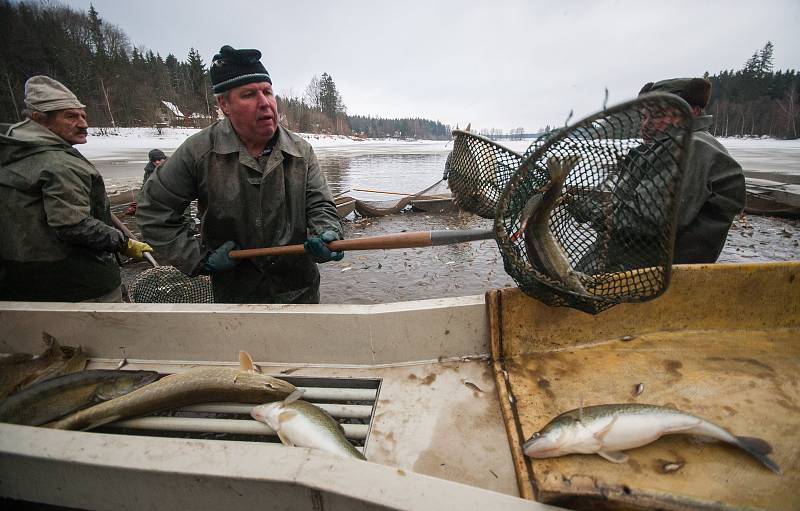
(257, 185)
(712, 191)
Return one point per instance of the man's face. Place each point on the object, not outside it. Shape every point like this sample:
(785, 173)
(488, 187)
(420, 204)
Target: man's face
(69, 124)
(253, 111)
(654, 123)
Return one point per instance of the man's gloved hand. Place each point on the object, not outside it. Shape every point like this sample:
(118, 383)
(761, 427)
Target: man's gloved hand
(136, 249)
(316, 248)
(219, 260)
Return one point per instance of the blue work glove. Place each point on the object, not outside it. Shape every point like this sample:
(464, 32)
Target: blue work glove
(219, 260)
(316, 248)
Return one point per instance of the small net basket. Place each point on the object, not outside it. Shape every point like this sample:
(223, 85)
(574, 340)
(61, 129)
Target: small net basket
(167, 284)
(477, 171)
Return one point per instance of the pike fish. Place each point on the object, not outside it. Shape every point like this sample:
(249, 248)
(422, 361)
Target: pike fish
(198, 385)
(543, 248)
(56, 397)
(301, 424)
(608, 429)
(20, 370)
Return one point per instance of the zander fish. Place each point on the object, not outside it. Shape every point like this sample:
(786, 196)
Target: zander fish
(545, 251)
(608, 429)
(301, 424)
(20, 370)
(198, 385)
(56, 397)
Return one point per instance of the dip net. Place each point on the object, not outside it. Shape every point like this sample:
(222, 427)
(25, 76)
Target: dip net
(604, 233)
(167, 284)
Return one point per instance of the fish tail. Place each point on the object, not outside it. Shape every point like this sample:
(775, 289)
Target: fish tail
(759, 449)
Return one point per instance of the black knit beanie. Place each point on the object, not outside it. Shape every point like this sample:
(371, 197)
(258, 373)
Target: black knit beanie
(156, 154)
(231, 68)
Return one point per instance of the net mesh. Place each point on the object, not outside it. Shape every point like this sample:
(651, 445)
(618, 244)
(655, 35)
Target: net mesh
(477, 171)
(603, 233)
(167, 284)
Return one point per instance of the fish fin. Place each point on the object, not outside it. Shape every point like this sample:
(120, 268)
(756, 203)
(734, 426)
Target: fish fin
(614, 456)
(294, 396)
(755, 444)
(284, 439)
(246, 363)
(601, 435)
(759, 449)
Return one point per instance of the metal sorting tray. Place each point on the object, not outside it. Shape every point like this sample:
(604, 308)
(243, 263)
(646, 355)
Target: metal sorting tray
(351, 401)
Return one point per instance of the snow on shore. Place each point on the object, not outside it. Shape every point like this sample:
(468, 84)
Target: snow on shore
(108, 144)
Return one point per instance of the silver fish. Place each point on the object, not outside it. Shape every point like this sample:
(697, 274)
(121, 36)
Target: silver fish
(608, 429)
(543, 248)
(197, 385)
(56, 397)
(301, 424)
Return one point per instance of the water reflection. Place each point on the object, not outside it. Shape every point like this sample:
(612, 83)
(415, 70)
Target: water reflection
(390, 172)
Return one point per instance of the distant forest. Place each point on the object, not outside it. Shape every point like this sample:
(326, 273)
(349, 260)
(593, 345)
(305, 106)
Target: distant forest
(126, 85)
(755, 100)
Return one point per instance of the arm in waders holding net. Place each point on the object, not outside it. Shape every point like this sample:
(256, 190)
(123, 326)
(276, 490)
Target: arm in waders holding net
(160, 211)
(388, 241)
(67, 202)
(321, 215)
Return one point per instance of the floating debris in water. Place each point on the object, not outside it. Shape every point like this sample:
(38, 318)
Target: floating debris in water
(638, 389)
(347, 269)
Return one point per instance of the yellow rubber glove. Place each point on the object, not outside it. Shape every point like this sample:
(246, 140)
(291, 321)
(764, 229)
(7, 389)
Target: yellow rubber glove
(136, 249)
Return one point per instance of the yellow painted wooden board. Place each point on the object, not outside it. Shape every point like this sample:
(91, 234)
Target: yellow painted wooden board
(722, 343)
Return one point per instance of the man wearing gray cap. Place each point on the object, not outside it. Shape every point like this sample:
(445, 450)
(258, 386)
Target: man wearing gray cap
(713, 189)
(257, 185)
(712, 192)
(57, 242)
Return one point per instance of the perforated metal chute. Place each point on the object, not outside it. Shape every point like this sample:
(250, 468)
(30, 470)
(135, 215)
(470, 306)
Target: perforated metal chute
(604, 233)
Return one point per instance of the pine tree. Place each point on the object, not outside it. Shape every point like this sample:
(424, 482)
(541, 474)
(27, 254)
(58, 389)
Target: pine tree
(765, 59)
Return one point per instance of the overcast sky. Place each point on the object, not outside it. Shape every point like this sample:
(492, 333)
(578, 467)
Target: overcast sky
(497, 64)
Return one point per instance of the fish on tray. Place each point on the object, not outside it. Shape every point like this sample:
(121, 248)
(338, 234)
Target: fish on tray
(608, 429)
(302, 424)
(20, 370)
(197, 385)
(56, 397)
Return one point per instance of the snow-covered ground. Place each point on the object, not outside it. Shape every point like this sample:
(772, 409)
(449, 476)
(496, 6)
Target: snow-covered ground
(107, 144)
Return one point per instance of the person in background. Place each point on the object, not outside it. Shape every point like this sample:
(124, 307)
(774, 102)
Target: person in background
(257, 184)
(155, 158)
(57, 242)
(712, 192)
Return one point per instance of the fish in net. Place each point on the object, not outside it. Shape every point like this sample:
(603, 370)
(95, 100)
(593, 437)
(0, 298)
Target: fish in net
(587, 217)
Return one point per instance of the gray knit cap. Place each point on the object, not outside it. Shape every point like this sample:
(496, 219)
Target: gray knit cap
(44, 94)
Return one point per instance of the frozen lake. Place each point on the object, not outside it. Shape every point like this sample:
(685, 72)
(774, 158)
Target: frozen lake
(455, 270)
